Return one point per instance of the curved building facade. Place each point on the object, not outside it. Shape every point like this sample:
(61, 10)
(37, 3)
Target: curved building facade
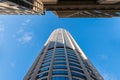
(62, 59)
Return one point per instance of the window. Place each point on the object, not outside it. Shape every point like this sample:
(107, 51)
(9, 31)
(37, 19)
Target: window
(72, 57)
(60, 59)
(44, 79)
(42, 75)
(48, 57)
(59, 63)
(44, 69)
(45, 61)
(74, 61)
(78, 75)
(60, 72)
(45, 64)
(60, 78)
(76, 65)
(76, 69)
(60, 67)
(74, 79)
(59, 56)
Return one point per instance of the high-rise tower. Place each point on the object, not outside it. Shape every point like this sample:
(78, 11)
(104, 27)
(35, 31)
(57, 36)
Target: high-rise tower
(62, 59)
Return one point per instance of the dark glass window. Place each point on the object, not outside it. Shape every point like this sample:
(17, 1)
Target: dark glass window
(59, 56)
(48, 55)
(42, 75)
(69, 55)
(60, 59)
(76, 65)
(72, 57)
(60, 67)
(45, 61)
(60, 45)
(45, 64)
(59, 78)
(44, 79)
(78, 75)
(74, 61)
(76, 69)
(60, 53)
(59, 63)
(44, 69)
(70, 52)
(49, 52)
(60, 72)
(74, 79)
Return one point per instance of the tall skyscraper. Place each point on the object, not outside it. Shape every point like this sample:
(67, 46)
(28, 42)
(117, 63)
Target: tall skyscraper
(63, 8)
(62, 59)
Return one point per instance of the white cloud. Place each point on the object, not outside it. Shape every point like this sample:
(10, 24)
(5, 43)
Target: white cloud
(27, 21)
(2, 29)
(22, 35)
(108, 76)
(26, 38)
(103, 56)
(20, 30)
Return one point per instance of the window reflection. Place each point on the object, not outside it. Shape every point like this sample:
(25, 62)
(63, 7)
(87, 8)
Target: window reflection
(59, 78)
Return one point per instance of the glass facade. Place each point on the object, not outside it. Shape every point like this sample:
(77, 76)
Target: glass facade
(62, 60)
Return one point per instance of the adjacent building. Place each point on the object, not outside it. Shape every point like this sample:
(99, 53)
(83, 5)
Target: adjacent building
(63, 8)
(21, 7)
(62, 59)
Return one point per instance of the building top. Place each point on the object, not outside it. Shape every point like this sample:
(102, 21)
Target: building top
(63, 8)
(62, 59)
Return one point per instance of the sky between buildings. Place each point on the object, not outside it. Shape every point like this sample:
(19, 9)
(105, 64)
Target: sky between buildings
(22, 38)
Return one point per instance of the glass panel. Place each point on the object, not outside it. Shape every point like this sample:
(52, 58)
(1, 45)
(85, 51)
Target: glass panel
(44, 79)
(74, 61)
(72, 58)
(74, 79)
(59, 78)
(60, 59)
(48, 57)
(78, 75)
(59, 56)
(60, 72)
(47, 60)
(60, 67)
(44, 69)
(45, 64)
(59, 63)
(42, 75)
(76, 65)
(75, 69)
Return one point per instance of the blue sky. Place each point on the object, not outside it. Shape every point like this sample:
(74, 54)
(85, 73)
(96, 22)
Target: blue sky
(22, 38)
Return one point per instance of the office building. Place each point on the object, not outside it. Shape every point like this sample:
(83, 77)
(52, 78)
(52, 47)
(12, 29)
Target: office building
(62, 59)
(63, 8)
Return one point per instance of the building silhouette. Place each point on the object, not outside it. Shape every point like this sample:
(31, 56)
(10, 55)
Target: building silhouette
(63, 8)
(62, 59)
